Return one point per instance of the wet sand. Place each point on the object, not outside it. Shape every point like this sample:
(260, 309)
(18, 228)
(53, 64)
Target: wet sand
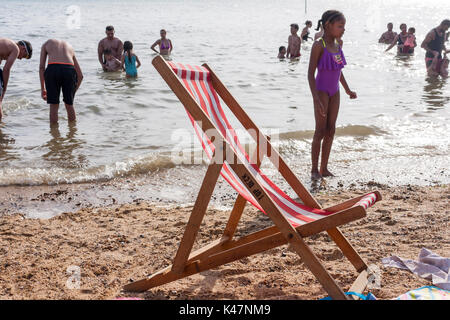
(112, 244)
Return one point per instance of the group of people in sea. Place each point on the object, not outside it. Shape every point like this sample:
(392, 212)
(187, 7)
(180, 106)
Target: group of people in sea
(436, 62)
(59, 69)
(295, 41)
(327, 58)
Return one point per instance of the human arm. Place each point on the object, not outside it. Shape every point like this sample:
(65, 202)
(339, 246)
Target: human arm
(154, 45)
(100, 55)
(7, 68)
(351, 93)
(42, 61)
(120, 49)
(78, 71)
(288, 49)
(392, 44)
(138, 62)
(122, 62)
(171, 46)
(316, 53)
(382, 38)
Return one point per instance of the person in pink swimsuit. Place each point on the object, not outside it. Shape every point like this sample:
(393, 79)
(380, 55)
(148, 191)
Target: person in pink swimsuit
(328, 58)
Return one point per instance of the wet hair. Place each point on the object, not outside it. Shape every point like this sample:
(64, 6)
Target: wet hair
(127, 47)
(308, 22)
(446, 22)
(27, 46)
(403, 24)
(329, 16)
(107, 51)
(281, 48)
(109, 28)
(413, 30)
(163, 30)
(295, 26)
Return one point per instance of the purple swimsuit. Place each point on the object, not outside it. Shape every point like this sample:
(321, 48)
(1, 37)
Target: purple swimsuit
(329, 71)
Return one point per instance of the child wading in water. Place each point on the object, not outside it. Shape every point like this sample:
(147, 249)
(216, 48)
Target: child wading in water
(129, 60)
(327, 57)
(294, 43)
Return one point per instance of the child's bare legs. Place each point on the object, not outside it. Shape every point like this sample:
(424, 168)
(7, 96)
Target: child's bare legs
(319, 134)
(333, 109)
(54, 113)
(70, 112)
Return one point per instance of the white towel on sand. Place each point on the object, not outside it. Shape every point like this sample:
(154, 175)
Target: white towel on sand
(430, 266)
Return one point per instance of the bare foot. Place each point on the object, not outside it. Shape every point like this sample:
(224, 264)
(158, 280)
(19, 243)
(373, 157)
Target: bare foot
(326, 173)
(315, 175)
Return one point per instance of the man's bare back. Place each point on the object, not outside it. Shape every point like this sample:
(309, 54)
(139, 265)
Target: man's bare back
(7, 46)
(58, 51)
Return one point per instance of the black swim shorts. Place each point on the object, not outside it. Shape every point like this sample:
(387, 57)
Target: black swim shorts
(57, 77)
(1, 82)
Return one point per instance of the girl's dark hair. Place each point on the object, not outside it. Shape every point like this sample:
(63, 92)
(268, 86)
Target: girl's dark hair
(281, 48)
(308, 22)
(127, 47)
(329, 16)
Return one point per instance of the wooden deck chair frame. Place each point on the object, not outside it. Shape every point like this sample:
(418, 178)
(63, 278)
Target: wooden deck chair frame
(227, 249)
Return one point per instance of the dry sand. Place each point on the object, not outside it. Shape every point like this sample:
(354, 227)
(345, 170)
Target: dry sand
(114, 244)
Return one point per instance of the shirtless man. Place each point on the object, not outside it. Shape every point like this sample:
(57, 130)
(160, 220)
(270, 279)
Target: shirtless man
(434, 45)
(10, 51)
(389, 36)
(294, 43)
(112, 43)
(62, 72)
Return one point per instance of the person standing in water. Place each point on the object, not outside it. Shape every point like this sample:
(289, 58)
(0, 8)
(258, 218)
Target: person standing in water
(318, 34)
(10, 51)
(62, 72)
(305, 32)
(112, 43)
(328, 58)
(165, 45)
(389, 36)
(129, 60)
(434, 44)
(294, 43)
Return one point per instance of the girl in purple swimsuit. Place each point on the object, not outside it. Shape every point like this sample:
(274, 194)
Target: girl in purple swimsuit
(327, 57)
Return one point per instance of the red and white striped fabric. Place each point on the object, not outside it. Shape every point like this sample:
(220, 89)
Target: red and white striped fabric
(197, 80)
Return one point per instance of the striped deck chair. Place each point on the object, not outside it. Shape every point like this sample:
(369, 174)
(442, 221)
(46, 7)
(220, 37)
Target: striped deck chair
(199, 89)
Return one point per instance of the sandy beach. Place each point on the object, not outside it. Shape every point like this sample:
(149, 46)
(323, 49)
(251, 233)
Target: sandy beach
(113, 244)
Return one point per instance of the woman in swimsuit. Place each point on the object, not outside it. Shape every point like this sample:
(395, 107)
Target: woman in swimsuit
(327, 57)
(400, 40)
(165, 45)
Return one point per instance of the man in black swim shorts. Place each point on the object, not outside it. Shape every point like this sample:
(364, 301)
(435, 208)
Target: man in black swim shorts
(62, 73)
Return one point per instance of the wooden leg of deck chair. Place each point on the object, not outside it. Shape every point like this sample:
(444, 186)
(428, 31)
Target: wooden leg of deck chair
(235, 216)
(347, 249)
(198, 212)
(220, 252)
(292, 236)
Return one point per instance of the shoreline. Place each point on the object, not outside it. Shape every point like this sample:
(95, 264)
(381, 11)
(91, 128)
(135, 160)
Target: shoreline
(112, 244)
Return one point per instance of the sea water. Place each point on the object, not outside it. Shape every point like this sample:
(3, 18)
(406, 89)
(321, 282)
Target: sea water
(396, 132)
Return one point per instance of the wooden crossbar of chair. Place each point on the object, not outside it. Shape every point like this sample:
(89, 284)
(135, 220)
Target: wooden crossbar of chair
(227, 249)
